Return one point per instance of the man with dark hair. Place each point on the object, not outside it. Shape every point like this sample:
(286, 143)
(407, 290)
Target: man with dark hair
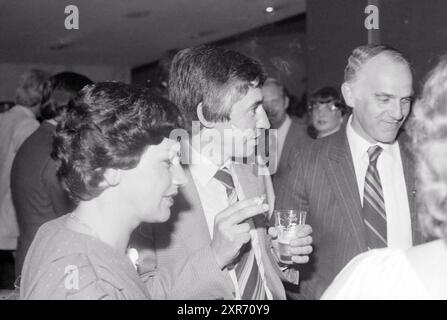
(211, 248)
(358, 183)
(16, 125)
(36, 193)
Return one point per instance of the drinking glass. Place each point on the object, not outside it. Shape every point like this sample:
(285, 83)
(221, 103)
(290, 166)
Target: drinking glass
(287, 223)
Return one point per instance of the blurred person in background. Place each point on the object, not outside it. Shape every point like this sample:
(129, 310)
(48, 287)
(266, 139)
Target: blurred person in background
(290, 130)
(417, 272)
(16, 125)
(327, 112)
(36, 192)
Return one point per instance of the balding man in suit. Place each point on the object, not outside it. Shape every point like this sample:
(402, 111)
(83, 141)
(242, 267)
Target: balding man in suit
(358, 183)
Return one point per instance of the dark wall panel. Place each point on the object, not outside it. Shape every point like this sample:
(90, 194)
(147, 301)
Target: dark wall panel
(418, 28)
(334, 28)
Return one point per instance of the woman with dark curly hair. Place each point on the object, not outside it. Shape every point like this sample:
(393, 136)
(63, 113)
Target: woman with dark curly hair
(418, 272)
(116, 161)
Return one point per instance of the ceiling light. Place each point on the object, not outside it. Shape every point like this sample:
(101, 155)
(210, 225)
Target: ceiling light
(269, 9)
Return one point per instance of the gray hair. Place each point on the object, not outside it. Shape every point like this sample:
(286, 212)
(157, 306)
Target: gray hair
(361, 55)
(274, 81)
(30, 90)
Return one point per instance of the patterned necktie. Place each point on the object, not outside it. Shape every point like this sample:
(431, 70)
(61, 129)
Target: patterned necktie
(374, 214)
(247, 273)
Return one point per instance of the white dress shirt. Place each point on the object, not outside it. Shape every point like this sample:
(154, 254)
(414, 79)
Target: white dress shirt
(391, 172)
(213, 197)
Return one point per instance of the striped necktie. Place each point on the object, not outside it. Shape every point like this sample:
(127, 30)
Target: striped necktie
(374, 214)
(249, 279)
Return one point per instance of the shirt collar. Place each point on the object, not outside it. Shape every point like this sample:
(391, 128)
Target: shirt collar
(203, 168)
(359, 146)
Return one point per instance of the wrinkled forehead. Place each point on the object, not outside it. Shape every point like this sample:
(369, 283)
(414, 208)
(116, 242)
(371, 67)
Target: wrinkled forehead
(271, 91)
(383, 73)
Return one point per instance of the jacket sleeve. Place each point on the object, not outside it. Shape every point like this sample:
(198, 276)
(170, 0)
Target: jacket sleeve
(190, 277)
(291, 193)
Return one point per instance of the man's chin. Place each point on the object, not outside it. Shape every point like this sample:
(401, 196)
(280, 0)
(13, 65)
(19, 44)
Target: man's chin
(387, 139)
(163, 215)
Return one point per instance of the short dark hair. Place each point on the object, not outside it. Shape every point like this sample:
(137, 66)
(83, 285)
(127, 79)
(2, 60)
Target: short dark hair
(58, 90)
(330, 94)
(108, 125)
(214, 76)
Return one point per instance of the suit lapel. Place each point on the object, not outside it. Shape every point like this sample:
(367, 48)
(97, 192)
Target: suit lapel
(250, 187)
(192, 214)
(409, 168)
(292, 138)
(341, 174)
(248, 181)
(287, 143)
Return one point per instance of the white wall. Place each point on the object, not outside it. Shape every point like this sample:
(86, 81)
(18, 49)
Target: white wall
(10, 74)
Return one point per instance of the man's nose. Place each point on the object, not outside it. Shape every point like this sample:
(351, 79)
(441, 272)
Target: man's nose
(262, 121)
(178, 175)
(396, 111)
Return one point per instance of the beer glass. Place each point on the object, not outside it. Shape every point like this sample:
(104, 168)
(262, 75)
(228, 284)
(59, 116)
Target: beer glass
(287, 223)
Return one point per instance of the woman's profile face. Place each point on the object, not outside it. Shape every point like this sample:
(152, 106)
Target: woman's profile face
(149, 188)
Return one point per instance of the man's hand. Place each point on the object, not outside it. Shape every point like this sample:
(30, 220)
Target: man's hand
(300, 247)
(230, 230)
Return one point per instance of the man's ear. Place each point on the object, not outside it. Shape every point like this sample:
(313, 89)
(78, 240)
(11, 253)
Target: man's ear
(346, 90)
(286, 102)
(203, 121)
(112, 177)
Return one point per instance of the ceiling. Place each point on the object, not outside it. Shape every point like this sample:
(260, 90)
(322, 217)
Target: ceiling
(125, 32)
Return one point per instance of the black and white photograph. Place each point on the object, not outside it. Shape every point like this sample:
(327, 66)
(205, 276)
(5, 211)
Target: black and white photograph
(198, 150)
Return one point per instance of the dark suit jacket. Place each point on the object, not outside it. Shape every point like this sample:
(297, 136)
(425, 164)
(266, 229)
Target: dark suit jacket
(321, 178)
(36, 192)
(296, 136)
(176, 260)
